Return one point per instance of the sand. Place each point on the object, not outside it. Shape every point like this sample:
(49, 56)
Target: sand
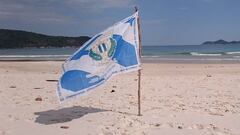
(177, 99)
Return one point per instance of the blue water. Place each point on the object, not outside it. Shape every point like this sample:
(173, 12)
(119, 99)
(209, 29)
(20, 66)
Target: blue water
(206, 52)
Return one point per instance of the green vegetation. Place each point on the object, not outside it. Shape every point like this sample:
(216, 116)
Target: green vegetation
(23, 39)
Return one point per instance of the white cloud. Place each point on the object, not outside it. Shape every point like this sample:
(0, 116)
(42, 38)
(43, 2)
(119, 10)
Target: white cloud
(4, 13)
(51, 10)
(101, 3)
(30, 11)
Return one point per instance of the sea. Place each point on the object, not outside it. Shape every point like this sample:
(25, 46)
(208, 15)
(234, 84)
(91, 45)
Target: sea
(149, 53)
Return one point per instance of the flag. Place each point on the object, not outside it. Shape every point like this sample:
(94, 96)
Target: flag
(113, 51)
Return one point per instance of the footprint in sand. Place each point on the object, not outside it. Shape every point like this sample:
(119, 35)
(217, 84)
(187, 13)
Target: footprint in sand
(196, 126)
(106, 130)
(12, 118)
(216, 130)
(165, 125)
(2, 132)
(215, 112)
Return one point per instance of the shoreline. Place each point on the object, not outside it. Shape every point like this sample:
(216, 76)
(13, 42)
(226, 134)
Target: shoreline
(191, 61)
(143, 60)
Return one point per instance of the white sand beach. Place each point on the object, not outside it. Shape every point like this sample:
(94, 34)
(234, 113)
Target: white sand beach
(177, 99)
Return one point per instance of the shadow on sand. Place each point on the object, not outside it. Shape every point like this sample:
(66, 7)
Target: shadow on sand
(64, 115)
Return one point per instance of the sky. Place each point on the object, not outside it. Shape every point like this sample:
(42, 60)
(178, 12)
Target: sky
(163, 22)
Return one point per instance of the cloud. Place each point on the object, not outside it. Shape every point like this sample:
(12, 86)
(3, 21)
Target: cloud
(56, 11)
(29, 10)
(101, 3)
(4, 13)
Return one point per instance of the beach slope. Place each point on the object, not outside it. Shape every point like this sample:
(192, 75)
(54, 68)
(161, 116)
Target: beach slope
(177, 99)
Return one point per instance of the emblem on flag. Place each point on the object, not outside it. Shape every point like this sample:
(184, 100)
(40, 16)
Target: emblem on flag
(103, 50)
(115, 50)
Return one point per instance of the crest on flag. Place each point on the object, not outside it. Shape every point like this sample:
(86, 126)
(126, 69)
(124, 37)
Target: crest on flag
(115, 50)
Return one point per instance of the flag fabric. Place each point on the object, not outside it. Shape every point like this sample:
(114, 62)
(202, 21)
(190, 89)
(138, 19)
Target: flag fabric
(113, 51)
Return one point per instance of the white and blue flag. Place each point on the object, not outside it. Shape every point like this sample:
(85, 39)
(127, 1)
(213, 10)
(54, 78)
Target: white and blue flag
(112, 51)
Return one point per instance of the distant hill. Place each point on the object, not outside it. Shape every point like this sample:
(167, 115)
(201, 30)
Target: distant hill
(223, 42)
(24, 39)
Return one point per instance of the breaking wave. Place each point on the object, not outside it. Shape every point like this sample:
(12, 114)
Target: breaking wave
(238, 52)
(205, 54)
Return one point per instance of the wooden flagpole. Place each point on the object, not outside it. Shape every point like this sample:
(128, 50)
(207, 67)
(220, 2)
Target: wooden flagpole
(139, 71)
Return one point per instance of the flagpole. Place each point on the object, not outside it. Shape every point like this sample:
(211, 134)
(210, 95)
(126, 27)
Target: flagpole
(139, 71)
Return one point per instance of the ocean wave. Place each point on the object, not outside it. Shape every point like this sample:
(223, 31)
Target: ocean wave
(205, 54)
(237, 52)
(151, 56)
